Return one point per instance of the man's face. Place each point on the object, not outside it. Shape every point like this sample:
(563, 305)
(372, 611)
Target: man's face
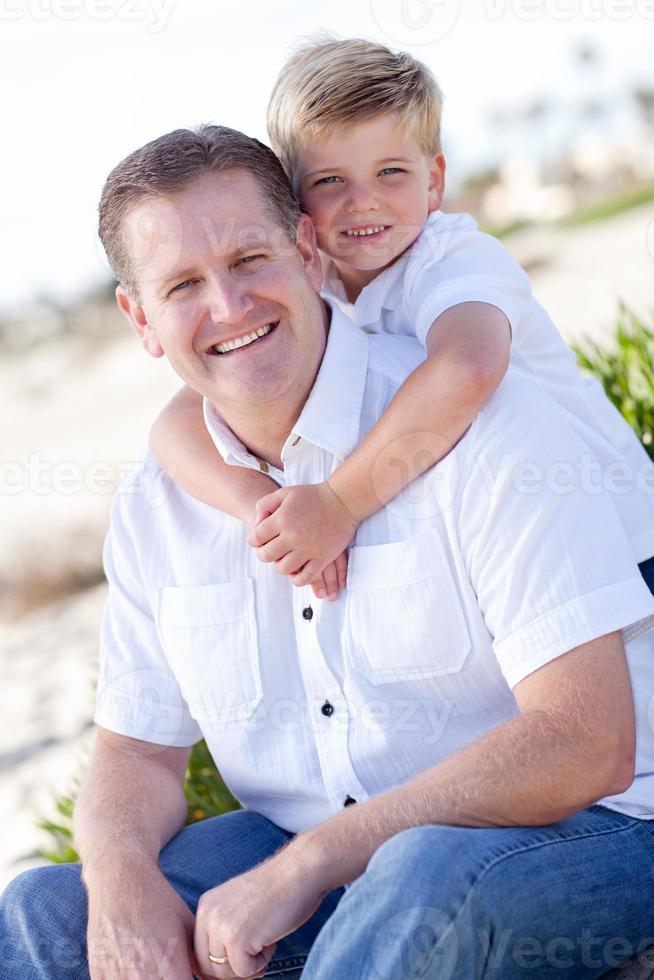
(223, 293)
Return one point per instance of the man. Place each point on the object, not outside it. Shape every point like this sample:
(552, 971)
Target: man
(470, 694)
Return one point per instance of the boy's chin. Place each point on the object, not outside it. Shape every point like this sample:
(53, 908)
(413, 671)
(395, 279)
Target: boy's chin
(364, 263)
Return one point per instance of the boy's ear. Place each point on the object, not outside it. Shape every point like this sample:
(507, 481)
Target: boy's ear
(134, 312)
(436, 182)
(307, 246)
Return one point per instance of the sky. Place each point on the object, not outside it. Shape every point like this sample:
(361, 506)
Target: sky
(84, 82)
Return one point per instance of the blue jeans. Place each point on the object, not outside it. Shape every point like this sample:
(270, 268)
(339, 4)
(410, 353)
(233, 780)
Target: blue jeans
(568, 900)
(647, 571)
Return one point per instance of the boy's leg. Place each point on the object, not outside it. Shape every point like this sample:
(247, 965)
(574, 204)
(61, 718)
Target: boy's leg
(43, 913)
(569, 900)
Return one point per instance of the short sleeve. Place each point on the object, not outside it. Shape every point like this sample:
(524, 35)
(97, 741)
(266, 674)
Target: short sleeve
(462, 265)
(543, 545)
(137, 694)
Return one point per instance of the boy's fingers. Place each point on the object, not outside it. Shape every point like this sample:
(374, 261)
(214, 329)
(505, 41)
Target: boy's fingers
(341, 569)
(319, 588)
(270, 503)
(289, 564)
(272, 551)
(264, 531)
(312, 570)
(330, 578)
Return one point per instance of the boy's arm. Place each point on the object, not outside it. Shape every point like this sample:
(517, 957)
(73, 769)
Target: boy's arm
(180, 441)
(467, 356)
(468, 350)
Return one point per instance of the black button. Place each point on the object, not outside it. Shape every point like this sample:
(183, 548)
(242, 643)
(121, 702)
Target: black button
(307, 613)
(327, 709)
(349, 800)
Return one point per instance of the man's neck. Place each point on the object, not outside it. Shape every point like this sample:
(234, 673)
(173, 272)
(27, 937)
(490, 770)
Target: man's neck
(264, 436)
(264, 427)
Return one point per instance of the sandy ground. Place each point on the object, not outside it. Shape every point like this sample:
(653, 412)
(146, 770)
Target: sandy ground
(72, 406)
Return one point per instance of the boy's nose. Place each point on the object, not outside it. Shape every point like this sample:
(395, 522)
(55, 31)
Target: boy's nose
(362, 198)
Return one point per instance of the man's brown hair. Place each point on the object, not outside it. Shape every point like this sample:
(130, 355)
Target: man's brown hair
(169, 164)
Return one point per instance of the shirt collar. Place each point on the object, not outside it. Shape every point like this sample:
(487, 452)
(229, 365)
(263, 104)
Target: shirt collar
(331, 416)
(379, 293)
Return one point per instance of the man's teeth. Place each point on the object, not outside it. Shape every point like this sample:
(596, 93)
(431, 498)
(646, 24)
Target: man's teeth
(355, 232)
(243, 341)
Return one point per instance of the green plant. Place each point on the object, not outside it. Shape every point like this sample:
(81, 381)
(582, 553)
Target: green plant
(601, 210)
(206, 795)
(626, 371)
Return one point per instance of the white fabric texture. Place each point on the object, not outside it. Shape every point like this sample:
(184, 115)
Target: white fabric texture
(476, 575)
(453, 262)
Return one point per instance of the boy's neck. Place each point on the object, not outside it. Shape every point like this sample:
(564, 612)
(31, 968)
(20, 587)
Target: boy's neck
(354, 280)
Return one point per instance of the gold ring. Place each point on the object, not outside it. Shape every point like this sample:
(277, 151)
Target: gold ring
(220, 960)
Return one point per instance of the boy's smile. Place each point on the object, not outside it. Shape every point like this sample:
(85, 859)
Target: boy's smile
(368, 187)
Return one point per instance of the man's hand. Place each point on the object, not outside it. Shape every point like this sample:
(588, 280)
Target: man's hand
(304, 529)
(245, 917)
(140, 929)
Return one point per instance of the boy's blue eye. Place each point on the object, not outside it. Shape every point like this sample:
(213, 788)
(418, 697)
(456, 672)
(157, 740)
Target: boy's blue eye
(392, 170)
(327, 180)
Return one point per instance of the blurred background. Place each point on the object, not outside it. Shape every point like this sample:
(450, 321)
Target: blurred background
(549, 137)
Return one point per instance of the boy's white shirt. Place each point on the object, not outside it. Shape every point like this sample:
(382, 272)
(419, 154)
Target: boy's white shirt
(452, 262)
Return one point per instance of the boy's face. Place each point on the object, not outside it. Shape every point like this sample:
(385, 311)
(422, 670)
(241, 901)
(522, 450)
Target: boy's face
(368, 188)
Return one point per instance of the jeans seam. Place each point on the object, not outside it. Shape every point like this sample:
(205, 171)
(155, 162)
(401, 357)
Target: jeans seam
(520, 850)
(560, 840)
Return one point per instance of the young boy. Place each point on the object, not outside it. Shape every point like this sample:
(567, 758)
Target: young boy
(357, 129)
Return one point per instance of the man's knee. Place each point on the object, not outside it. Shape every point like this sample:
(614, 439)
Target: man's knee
(43, 920)
(426, 849)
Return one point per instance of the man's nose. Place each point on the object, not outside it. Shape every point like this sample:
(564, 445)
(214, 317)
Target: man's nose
(229, 300)
(362, 197)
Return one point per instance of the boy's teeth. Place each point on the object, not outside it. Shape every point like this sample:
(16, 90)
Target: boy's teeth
(243, 341)
(365, 231)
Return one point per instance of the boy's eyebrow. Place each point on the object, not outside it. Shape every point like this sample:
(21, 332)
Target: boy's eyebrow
(325, 169)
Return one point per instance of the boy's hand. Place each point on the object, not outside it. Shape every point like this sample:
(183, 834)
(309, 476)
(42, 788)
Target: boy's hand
(332, 580)
(304, 529)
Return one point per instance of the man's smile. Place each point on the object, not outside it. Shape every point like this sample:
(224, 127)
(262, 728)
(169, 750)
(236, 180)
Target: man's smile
(244, 341)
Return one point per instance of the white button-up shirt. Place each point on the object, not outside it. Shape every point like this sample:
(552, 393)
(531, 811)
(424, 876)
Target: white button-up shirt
(484, 569)
(453, 262)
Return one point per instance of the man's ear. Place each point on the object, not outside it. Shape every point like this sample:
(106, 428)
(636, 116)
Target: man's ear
(307, 246)
(134, 312)
(436, 183)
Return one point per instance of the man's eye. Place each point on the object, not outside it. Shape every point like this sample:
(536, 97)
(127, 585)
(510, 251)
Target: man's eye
(182, 285)
(249, 259)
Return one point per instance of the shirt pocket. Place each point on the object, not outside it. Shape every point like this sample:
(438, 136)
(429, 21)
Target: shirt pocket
(404, 613)
(209, 633)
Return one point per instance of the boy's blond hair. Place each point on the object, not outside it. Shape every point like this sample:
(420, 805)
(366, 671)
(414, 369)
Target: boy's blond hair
(329, 82)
